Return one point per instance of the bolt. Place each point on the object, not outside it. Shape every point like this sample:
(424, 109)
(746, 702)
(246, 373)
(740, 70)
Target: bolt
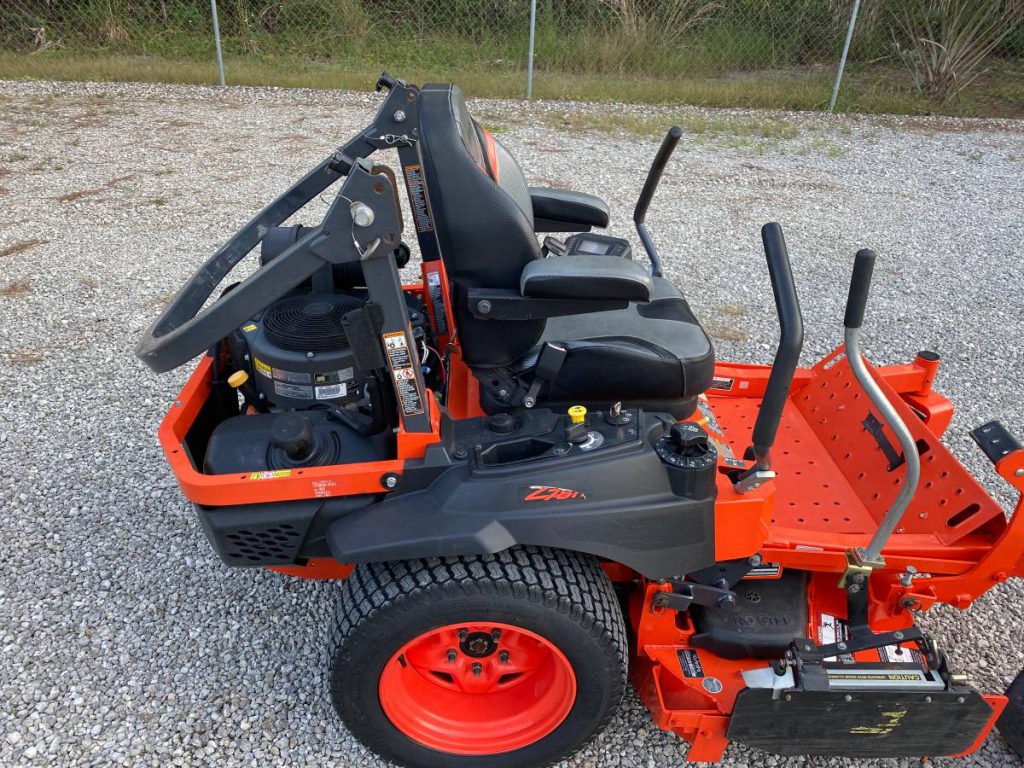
(362, 214)
(399, 116)
(927, 699)
(483, 307)
(390, 481)
(452, 655)
(463, 634)
(459, 453)
(847, 697)
(907, 577)
(960, 699)
(841, 645)
(727, 601)
(495, 635)
(789, 697)
(909, 602)
(477, 669)
(503, 657)
(1019, 472)
(310, 355)
(858, 578)
(898, 635)
(529, 402)
(754, 561)
(853, 589)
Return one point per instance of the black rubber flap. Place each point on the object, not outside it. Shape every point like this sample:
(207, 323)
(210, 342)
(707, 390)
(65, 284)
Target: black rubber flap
(871, 724)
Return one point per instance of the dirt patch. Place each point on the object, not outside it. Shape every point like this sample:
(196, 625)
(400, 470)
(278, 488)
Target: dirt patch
(70, 197)
(20, 247)
(16, 288)
(22, 357)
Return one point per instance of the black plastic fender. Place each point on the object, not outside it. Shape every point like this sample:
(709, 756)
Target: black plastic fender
(616, 503)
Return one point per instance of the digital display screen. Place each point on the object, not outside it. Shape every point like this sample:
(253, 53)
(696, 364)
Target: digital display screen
(591, 246)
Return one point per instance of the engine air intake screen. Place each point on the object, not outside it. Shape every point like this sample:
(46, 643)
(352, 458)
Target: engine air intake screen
(300, 324)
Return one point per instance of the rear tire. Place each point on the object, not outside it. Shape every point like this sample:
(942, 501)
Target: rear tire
(396, 639)
(1011, 722)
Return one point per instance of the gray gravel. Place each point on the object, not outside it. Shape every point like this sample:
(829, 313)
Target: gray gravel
(124, 641)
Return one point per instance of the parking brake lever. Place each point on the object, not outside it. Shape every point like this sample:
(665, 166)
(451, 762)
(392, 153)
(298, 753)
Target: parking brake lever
(864, 560)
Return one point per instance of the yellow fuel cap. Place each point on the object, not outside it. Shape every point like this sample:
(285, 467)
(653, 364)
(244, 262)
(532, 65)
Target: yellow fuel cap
(577, 413)
(238, 378)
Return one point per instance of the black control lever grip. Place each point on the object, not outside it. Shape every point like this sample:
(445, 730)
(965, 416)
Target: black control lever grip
(860, 285)
(791, 340)
(668, 145)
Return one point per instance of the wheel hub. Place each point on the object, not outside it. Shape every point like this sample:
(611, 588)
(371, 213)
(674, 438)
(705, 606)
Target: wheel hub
(480, 645)
(477, 689)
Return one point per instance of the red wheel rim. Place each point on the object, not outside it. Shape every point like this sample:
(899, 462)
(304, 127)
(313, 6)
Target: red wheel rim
(477, 688)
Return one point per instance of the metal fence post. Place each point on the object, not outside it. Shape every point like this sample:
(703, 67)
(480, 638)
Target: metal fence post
(842, 59)
(216, 40)
(529, 64)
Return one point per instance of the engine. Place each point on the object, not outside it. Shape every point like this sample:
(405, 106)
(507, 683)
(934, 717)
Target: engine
(305, 399)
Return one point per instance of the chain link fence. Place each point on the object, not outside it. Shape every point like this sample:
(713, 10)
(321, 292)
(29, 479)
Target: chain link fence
(757, 52)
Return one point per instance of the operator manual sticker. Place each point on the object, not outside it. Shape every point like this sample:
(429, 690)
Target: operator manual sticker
(401, 363)
(417, 197)
(437, 300)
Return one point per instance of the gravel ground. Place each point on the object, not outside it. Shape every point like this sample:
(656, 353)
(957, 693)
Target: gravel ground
(126, 642)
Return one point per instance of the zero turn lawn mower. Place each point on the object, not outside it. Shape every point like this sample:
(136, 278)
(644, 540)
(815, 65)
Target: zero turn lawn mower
(534, 481)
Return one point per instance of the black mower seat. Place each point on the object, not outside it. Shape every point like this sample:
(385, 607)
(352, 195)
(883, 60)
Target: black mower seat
(653, 355)
(650, 354)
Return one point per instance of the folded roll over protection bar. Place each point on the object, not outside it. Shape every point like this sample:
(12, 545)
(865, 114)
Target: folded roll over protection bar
(184, 329)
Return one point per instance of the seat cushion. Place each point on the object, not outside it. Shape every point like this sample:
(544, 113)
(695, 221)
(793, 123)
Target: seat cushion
(652, 355)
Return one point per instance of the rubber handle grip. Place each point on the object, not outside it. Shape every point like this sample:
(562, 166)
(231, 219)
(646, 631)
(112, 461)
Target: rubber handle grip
(860, 285)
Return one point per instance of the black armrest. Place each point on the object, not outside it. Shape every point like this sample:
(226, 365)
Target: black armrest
(586, 277)
(561, 210)
(492, 304)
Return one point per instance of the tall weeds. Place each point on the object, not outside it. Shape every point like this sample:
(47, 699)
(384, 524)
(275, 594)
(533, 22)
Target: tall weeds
(950, 40)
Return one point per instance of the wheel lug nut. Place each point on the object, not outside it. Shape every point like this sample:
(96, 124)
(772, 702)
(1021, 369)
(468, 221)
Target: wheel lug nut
(463, 634)
(452, 655)
(477, 669)
(503, 657)
(495, 635)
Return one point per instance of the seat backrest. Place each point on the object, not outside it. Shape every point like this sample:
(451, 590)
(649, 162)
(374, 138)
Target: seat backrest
(483, 219)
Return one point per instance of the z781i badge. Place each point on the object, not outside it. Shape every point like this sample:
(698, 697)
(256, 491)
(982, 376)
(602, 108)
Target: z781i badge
(550, 493)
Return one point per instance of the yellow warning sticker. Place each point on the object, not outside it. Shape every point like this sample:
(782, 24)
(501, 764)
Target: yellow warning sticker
(249, 328)
(271, 475)
(263, 368)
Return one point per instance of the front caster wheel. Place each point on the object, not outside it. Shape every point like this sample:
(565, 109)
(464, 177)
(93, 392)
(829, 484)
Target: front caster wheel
(500, 661)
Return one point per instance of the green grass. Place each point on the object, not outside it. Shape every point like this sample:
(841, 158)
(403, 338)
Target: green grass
(879, 91)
